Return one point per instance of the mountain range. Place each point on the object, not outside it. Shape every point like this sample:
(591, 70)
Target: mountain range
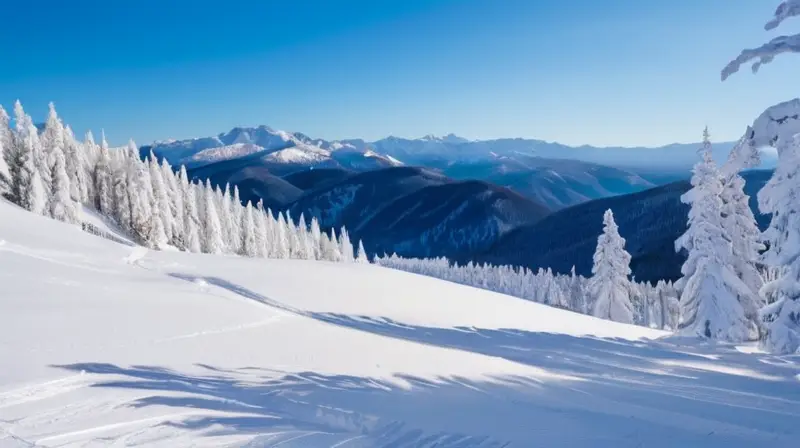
(507, 201)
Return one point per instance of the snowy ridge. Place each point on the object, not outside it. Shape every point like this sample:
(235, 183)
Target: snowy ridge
(161, 353)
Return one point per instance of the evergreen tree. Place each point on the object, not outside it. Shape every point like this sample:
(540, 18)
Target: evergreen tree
(28, 136)
(260, 220)
(121, 188)
(191, 219)
(59, 203)
(345, 246)
(781, 198)
(740, 225)
(709, 304)
(212, 238)
(316, 238)
(75, 165)
(361, 255)
(19, 187)
(249, 242)
(281, 238)
(609, 284)
(162, 213)
(91, 157)
(103, 176)
(176, 207)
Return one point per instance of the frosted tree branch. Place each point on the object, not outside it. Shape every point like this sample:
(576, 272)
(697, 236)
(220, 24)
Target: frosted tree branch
(766, 53)
(786, 10)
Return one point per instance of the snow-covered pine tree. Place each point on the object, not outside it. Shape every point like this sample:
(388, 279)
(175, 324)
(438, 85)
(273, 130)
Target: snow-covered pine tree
(609, 284)
(226, 218)
(60, 205)
(305, 250)
(249, 246)
(282, 249)
(260, 220)
(740, 225)
(103, 176)
(212, 238)
(346, 246)
(709, 287)
(315, 233)
(17, 155)
(293, 238)
(237, 214)
(28, 135)
(76, 171)
(781, 198)
(361, 254)
(91, 157)
(330, 248)
(162, 214)
(191, 219)
(175, 197)
(120, 187)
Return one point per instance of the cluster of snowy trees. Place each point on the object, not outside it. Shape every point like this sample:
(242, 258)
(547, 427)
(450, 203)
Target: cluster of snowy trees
(778, 126)
(53, 174)
(645, 304)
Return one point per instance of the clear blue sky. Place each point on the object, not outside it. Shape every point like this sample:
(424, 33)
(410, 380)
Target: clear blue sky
(602, 72)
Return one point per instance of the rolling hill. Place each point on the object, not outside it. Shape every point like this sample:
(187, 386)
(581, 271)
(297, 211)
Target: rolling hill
(111, 345)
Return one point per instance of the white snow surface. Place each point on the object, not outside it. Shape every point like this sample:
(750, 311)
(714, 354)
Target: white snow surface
(104, 344)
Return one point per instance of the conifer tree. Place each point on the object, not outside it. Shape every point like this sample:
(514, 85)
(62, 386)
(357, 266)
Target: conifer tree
(191, 218)
(76, 167)
(609, 284)
(709, 304)
(780, 197)
(19, 187)
(27, 136)
(103, 175)
(249, 242)
(212, 238)
(59, 203)
(361, 255)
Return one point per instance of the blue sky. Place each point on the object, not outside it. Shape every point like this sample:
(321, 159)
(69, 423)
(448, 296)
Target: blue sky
(610, 72)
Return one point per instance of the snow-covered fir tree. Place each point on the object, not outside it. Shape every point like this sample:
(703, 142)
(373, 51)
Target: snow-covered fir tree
(60, 205)
(19, 185)
(361, 254)
(212, 237)
(75, 159)
(609, 285)
(191, 218)
(781, 198)
(249, 246)
(709, 288)
(27, 136)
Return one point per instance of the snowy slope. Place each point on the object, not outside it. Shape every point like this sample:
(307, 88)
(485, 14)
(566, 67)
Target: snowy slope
(107, 345)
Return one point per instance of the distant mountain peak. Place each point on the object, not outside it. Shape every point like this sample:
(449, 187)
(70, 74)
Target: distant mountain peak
(449, 138)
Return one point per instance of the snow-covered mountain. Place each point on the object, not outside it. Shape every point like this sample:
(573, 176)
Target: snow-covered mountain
(426, 151)
(107, 344)
(282, 151)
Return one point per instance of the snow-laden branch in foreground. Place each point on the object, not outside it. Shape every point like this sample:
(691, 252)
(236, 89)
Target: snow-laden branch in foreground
(778, 123)
(764, 54)
(786, 10)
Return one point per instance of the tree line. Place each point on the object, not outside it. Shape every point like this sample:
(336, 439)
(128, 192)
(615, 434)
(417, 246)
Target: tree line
(53, 174)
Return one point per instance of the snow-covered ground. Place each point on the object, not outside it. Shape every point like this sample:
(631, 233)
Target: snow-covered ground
(103, 344)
